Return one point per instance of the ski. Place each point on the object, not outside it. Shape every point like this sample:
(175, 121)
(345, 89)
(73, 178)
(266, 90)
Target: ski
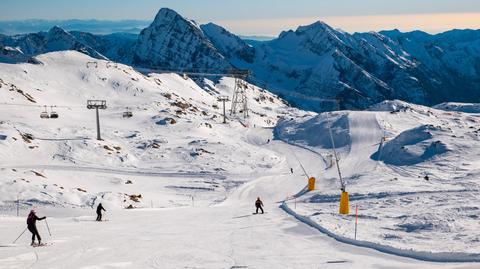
(42, 245)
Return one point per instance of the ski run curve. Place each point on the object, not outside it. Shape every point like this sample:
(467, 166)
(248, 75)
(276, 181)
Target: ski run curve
(225, 235)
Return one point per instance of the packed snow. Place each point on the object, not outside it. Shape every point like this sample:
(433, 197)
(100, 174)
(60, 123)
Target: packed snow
(411, 171)
(190, 181)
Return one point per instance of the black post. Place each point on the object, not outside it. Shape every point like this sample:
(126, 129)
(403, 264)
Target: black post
(98, 125)
(97, 104)
(224, 116)
(223, 99)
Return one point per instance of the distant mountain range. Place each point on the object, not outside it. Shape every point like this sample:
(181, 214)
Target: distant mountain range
(91, 26)
(314, 67)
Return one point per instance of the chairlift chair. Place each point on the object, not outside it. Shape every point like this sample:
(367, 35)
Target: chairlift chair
(44, 114)
(53, 114)
(127, 114)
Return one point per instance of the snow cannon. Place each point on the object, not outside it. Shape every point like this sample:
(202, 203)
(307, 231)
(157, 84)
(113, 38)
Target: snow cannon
(344, 208)
(311, 184)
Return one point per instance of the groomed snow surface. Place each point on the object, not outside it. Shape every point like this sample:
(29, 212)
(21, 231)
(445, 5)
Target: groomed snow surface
(198, 178)
(384, 158)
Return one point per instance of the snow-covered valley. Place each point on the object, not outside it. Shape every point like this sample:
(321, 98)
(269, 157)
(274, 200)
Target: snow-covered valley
(191, 181)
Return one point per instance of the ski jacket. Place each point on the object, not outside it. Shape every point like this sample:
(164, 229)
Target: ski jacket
(258, 203)
(32, 219)
(100, 208)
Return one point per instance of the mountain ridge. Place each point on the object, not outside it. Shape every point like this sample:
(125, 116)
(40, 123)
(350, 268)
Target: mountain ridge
(314, 67)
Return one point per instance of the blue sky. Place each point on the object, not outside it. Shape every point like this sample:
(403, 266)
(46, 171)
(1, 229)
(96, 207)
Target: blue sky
(265, 17)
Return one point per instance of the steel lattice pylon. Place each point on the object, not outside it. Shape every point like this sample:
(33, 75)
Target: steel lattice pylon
(239, 100)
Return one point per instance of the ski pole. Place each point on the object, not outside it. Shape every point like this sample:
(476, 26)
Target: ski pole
(19, 236)
(48, 228)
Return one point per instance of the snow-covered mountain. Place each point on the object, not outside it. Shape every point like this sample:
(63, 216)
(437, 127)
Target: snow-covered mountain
(13, 55)
(172, 42)
(314, 67)
(176, 125)
(229, 45)
(117, 46)
(92, 26)
(448, 63)
(56, 39)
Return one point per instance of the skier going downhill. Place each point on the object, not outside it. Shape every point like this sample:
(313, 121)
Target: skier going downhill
(99, 211)
(258, 205)
(32, 226)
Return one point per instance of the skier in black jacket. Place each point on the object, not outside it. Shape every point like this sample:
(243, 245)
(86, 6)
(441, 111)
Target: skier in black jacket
(32, 226)
(258, 205)
(99, 211)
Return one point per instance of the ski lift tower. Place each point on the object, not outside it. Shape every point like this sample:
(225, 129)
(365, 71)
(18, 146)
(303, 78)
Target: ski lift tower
(97, 104)
(239, 100)
(223, 99)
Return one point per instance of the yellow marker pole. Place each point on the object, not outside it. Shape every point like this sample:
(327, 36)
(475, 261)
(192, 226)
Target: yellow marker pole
(311, 184)
(344, 207)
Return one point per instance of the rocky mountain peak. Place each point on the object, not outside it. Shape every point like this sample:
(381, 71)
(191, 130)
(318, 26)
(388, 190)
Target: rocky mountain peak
(172, 41)
(57, 34)
(167, 17)
(315, 27)
(166, 13)
(55, 30)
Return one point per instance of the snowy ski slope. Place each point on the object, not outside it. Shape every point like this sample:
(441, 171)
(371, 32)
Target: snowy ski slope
(397, 206)
(198, 178)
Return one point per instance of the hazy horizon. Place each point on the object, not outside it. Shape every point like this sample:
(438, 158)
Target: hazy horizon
(264, 18)
(99, 26)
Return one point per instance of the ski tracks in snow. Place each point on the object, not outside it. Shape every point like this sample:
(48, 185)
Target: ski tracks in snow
(126, 171)
(365, 134)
